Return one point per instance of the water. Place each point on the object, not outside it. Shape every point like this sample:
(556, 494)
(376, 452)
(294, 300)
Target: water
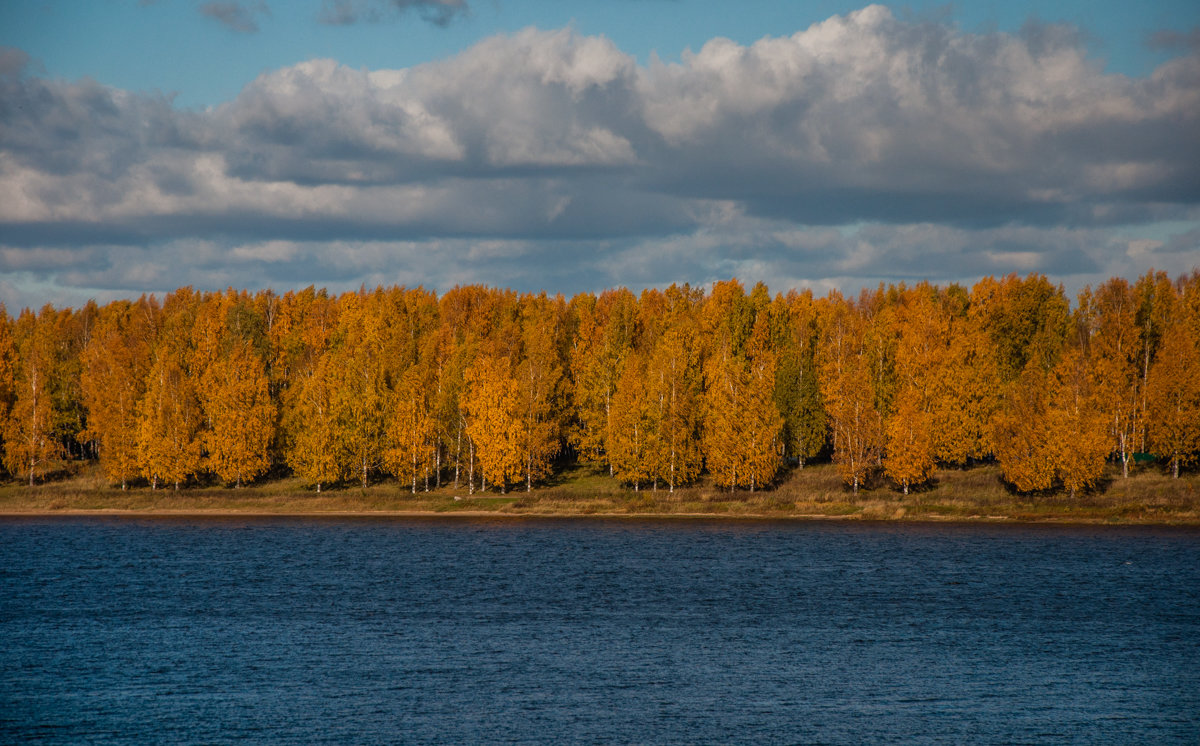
(592, 631)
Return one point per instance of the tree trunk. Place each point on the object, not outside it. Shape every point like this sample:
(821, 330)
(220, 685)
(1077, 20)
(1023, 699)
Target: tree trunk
(607, 428)
(457, 457)
(1145, 380)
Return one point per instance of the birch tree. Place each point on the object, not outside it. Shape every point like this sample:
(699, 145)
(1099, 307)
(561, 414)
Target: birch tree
(359, 395)
(920, 356)
(795, 338)
(1155, 298)
(241, 414)
(492, 401)
(605, 335)
(1173, 394)
(856, 425)
(634, 426)
(538, 420)
(30, 438)
(411, 433)
(116, 362)
(8, 367)
(170, 422)
(1023, 434)
(316, 453)
(742, 425)
(1116, 356)
(674, 390)
(909, 459)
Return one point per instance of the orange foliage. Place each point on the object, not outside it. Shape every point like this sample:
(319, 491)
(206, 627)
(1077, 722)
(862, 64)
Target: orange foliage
(405, 384)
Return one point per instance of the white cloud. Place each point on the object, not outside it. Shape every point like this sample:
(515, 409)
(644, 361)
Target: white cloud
(547, 156)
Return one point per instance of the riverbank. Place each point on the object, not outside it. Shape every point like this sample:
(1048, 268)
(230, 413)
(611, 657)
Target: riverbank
(813, 493)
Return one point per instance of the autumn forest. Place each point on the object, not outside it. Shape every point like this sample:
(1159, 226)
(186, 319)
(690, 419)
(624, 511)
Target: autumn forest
(489, 389)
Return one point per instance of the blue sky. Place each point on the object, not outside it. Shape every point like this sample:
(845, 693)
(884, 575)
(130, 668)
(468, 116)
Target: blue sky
(171, 46)
(573, 146)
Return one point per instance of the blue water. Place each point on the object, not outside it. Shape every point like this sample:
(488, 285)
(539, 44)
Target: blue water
(592, 631)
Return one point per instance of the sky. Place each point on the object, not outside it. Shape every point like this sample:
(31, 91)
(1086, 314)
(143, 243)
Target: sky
(563, 146)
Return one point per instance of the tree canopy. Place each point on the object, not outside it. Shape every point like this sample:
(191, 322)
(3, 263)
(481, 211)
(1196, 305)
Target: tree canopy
(497, 389)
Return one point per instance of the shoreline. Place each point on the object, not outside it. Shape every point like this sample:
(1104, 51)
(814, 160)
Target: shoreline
(1183, 521)
(816, 493)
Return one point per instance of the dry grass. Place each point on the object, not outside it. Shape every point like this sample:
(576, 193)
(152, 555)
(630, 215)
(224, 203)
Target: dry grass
(1148, 496)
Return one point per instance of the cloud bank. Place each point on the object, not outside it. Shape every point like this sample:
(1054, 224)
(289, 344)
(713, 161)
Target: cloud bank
(862, 148)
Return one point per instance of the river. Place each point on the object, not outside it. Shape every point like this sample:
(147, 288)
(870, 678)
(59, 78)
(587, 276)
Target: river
(347, 630)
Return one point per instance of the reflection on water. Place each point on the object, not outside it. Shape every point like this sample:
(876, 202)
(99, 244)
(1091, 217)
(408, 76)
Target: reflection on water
(365, 631)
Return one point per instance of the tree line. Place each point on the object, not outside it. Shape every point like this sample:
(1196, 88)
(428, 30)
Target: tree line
(492, 389)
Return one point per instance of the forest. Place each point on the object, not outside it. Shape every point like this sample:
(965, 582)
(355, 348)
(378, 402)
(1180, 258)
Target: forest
(493, 390)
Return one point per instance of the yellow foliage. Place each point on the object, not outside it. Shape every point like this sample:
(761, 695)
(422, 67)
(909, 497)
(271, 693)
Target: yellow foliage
(1079, 437)
(316, 453)
(536, 421)
(742, 424)
(1022, 433)
(673, 390)
(909, 459)
(30, 445)
(854, 422)
(410, 431)
(492, 398)
(634, 432)
(169, 444)
(113, 381)
(241, 415)
(1174, 397)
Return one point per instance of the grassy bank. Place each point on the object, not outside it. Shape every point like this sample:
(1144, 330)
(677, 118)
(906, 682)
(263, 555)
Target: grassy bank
(1147, 496)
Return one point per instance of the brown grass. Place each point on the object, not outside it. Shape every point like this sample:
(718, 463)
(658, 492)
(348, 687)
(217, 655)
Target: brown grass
(1148, 496)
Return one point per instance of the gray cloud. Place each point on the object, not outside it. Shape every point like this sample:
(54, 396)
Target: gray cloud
(349, 12)
(951, 154)
(781, 254)
(1172, 39)
(235, 16)
(12, 62)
